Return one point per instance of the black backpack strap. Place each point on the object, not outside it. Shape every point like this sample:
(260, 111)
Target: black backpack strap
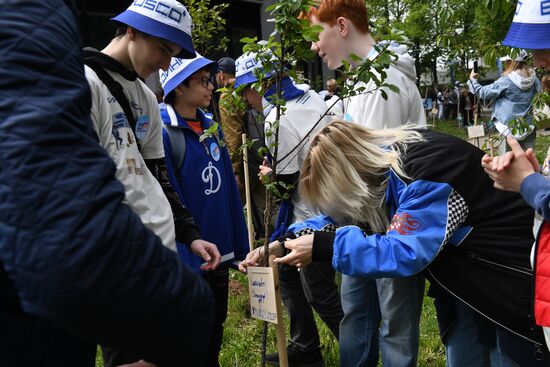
(117, 91)
(177, 142)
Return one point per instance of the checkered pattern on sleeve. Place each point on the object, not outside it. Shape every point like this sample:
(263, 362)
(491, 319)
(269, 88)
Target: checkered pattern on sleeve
(457, 209)
(305, 231)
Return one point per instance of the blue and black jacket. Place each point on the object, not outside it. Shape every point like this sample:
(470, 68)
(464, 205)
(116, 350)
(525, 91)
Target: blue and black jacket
(206, 185)
(450, 223)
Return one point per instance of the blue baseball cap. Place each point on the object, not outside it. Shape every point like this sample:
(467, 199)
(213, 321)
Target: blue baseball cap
(181, 69)
(531, 26)
(166, 19)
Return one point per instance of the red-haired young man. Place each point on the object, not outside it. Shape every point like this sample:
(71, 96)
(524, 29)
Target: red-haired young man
(345, 32)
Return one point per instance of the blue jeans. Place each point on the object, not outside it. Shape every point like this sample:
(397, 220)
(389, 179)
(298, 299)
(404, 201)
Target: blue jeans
(361, 322)
(398, 303)
(463, 347)
(401, 305)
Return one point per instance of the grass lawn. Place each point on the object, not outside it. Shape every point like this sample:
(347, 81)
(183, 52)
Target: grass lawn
(242, 337)
(541, 147)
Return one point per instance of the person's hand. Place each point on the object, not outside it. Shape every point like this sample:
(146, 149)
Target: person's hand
(498, 163)
(141, 363)
(509, 171)
(300, 254)
(265, 169)
(473, 75)
(208, 252)
(255, 257)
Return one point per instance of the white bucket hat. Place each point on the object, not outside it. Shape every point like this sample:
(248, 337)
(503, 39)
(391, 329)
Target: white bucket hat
(530, 28)
(181, 69)
(245, 67)
(166, 19)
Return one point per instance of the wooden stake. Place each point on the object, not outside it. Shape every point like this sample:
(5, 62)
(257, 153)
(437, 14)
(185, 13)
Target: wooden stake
(279, 327)
(249, 224)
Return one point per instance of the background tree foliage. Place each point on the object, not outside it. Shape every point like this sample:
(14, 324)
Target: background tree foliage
(279, 55)
(451, 32)
(208, 26)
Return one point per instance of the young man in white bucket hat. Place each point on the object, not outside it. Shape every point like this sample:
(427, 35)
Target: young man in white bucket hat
(313, 287)
(201, 173)
(126, 118)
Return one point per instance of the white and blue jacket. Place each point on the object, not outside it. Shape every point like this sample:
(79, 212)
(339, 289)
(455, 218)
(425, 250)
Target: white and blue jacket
(415, 235)
(206, 185)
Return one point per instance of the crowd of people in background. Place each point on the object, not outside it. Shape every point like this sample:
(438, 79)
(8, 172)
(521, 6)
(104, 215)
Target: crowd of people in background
(453, 102)
(121, 211)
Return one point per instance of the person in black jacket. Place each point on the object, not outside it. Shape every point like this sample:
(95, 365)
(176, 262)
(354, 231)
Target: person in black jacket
(77, 265)
(409, 201)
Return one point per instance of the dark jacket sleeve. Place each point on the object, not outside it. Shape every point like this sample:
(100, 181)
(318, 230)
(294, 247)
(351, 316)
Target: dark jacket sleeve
(75, 254)
(323, 246)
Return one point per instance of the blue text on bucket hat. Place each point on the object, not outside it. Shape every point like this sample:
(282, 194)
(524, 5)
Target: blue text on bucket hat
(247, 67)
(531, 26)
(181, 69)
(166, 19)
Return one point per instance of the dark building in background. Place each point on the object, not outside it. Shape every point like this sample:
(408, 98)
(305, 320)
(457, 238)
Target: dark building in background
(93, 16)
(244, 18)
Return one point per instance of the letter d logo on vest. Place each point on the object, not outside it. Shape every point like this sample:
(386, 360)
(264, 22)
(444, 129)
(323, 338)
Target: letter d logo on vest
(211, 176)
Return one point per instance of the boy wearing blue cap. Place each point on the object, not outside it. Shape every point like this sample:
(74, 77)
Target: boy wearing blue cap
(314, 285)
(126, 118)
(201, 173)
(235, 122)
